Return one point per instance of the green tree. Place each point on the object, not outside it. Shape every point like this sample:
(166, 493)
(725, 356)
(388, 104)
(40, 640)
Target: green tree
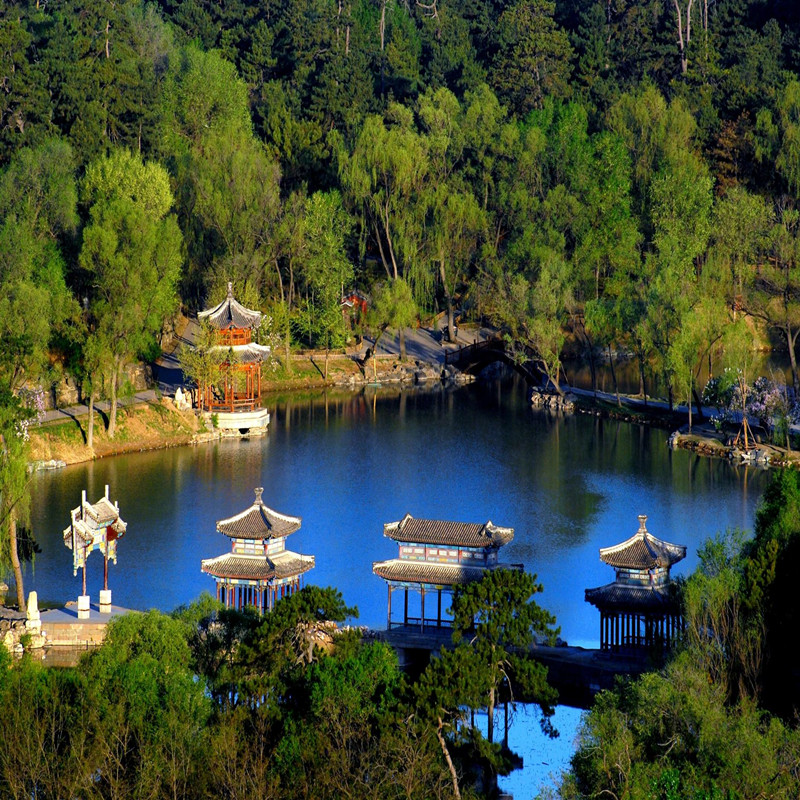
(535, 313)
(392, 306)
(202, 362)
(773, 293)
(384, 179)
(131, 251)
(501, 621)
(533, 56)
(326, 268)
(148, 710)
(14, 484)
(37, 212)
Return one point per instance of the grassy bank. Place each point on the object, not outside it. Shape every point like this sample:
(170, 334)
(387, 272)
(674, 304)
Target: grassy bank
(146, 426)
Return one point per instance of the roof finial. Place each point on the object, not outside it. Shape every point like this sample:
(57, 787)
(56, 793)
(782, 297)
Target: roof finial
(230, 290)
(642, 526)
(259, 491)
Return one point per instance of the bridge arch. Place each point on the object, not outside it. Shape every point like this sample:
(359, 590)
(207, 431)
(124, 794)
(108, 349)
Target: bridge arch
(474, 358)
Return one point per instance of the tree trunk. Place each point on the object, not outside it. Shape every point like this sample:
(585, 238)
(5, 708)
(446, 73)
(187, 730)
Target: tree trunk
(790, 341)
(698, 403)
(614, 375)
(112, 415)
(448, 759)
(90, 431)
(642, 384)
(402, 334)
(15, 565)
(490, 715)
(683, 44)
(450, 320)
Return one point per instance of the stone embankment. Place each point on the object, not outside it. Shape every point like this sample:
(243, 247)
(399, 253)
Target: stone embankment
(405, 373)
(552, 401)
(706, 442)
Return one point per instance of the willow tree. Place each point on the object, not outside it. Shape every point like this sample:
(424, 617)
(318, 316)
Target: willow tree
(385, 179)
(132, 252)
(14, 492)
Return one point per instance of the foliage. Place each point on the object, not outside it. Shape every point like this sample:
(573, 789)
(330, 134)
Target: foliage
(499, 618)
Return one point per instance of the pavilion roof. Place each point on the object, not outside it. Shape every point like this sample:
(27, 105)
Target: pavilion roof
(250, 353)
(454, 534)
(642, 551)
(622, 597)
(258, 522)
(285, 564)
(88, 518)
(230, 313)
(404, 570)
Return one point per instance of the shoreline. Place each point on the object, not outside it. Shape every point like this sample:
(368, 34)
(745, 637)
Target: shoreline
(151, 421)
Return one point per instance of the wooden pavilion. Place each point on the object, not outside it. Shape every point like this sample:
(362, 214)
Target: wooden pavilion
(259, 570)
(239, 392)
(640, 608)
(434, 557)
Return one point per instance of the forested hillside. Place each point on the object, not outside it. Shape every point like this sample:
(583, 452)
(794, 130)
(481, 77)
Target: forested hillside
(627, 172)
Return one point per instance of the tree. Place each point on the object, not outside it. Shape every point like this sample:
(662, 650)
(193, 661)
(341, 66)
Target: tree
(385, 179)
(533, 57)
(774, 288)
(447, 688)
(501, 622)
(771, 563)
(724, 632)
(391, 306)
(202, 362)
(131, 252)
(326, 268)
(15, 416)
(148, 710)
(535, 313)
(37, 209)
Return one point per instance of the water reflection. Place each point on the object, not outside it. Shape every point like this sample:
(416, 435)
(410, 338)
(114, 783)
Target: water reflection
(347, 463)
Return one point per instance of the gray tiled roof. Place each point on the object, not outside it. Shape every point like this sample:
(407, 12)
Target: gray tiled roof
(642, 551)
(257, 568)
(230, 313)
(617, 596)
(258, 522)
(435, 531)
(251, 353)
(400, 569)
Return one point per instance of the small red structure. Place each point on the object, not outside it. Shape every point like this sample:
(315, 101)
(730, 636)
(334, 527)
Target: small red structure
(241, 371)
(435, 556)
(259, 570)
(354, 308)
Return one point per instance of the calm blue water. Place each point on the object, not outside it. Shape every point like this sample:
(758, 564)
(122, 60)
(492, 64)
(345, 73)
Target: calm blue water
(349, 464)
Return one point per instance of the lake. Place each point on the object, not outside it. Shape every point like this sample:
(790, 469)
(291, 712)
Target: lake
(348, 463)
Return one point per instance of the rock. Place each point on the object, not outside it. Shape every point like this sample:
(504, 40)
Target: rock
(53, 463)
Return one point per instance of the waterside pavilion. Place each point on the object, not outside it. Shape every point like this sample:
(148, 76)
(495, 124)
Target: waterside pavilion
(640, 608)
(434, 557)
(237, 401)
(259, 570)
